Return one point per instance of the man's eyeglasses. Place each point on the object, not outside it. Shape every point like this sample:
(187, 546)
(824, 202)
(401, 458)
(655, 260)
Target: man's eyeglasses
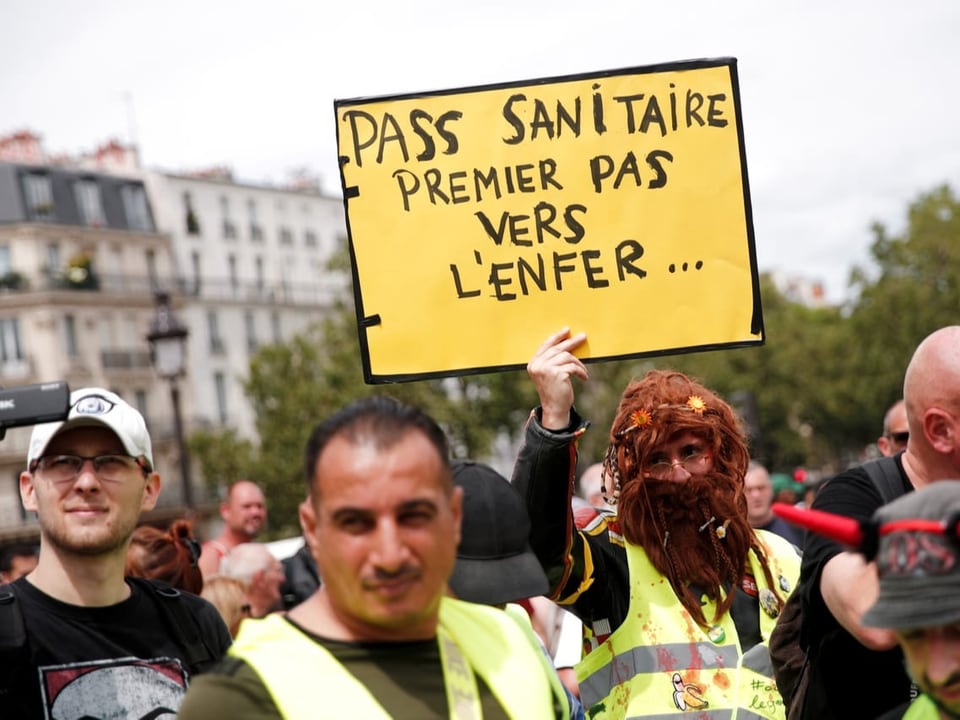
(694, 462)
(900, 438)
(67, 467)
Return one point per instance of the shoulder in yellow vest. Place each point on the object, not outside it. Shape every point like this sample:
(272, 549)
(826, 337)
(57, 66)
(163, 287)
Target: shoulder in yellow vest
(487, 639)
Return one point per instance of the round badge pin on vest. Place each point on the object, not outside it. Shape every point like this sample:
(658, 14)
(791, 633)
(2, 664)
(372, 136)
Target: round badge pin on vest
(769, 602)
(716, 634)
(784, 584)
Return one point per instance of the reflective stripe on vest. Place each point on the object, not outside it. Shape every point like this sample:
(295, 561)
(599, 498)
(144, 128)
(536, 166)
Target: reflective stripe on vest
(660, 663)
(483, 639)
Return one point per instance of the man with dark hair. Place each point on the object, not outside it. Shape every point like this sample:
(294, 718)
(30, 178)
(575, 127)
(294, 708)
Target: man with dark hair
(379, 638)
(80, 640)
(17, 561)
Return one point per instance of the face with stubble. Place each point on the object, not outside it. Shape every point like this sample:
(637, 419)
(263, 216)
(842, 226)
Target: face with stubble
(384, 523)
(90, 511)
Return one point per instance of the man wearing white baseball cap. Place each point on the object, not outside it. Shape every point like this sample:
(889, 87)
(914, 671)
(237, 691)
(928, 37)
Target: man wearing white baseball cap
(75, 616)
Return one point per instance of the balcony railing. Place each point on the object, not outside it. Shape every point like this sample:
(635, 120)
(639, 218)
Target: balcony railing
(125, 359)
(320, 293)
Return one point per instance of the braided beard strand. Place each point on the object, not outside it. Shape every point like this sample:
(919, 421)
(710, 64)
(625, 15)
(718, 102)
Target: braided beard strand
(665, 519)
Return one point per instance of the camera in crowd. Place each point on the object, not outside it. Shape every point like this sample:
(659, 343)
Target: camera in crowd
(33, 404)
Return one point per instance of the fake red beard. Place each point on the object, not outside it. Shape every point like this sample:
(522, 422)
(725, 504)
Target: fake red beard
(695, 532)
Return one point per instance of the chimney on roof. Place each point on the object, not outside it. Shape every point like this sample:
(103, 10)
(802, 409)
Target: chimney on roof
(21, 146)
(302, 179)
(215, 172)
(112, 155)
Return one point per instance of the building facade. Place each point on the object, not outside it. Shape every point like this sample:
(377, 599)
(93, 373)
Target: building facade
(80, 261)
(85, 246)
(253, 260)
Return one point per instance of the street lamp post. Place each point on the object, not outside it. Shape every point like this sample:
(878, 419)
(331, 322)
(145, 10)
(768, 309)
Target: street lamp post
(168, 339)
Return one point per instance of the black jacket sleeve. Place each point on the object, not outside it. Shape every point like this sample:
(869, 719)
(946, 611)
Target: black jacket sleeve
(587, 568)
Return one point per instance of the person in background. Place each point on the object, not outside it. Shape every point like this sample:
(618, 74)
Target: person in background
(759, 492)
(17, 561)
(97, 644)
(301, 577)
(380, 637)
(261, 574)
(913, 542)
(895, 430)
(244, 515)
(229, 596)
(919, 598)
(811, 486)
(786, 489)
(169, 555)
(678, 566)
(495, 565)
(837, 584)
(590, 487)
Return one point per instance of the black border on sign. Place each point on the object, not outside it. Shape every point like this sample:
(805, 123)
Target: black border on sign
(364, 321)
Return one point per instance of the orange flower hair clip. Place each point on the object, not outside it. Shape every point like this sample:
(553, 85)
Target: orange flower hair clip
(696, 403)
(639, 419)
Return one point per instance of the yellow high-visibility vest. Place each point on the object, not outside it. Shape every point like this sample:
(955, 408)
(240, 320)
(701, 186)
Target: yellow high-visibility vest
(301, 675)
(661, 663)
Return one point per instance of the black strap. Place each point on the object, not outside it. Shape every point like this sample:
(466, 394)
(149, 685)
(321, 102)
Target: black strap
(886, 477)
(181, 624)
(13, 633)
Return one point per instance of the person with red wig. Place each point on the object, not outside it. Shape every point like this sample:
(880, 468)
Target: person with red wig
(679, 592)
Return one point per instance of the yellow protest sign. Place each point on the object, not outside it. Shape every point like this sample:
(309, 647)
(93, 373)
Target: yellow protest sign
(483, 219)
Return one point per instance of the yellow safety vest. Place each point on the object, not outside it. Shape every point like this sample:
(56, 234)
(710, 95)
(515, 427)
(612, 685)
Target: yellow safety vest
(660, 663)
(559, 692)
(299, 673)
(923, 708)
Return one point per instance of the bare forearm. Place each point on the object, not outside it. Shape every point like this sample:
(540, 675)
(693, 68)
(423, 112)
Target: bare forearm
(849, 586)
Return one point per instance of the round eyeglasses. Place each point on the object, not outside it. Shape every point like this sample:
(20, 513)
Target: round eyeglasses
(694, 462)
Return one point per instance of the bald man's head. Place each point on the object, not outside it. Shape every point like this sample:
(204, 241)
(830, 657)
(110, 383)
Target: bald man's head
(244, 511)
(933, 375)
(931, 390)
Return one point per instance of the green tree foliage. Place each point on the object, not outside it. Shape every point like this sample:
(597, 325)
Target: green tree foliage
(223, 456)
(770, 385)
(913, 289)
(294, 385)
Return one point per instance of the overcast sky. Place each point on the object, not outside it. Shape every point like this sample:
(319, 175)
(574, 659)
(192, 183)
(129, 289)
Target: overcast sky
(850, 107)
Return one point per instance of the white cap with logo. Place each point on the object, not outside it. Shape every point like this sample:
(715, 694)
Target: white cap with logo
(96, 406)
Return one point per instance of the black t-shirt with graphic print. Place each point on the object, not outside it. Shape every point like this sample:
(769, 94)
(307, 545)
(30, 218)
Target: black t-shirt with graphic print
(116, 661)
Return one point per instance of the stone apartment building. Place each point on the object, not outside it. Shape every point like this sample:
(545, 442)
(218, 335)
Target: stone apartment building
(85, 245)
